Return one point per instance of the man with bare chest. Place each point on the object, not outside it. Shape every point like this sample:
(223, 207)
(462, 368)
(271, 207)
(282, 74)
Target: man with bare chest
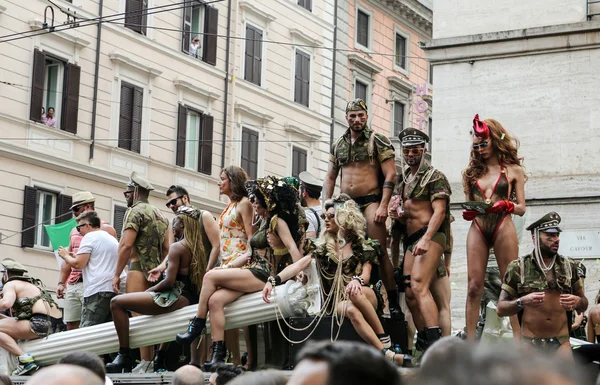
(543, 288)
(365, 160)
(425, 199)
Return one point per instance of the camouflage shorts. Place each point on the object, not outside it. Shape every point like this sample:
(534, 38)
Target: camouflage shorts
(492, 286)
(96, 309)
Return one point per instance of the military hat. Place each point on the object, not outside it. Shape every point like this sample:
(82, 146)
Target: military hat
(356, 105)
(412, 137)
(138, 181)
(12, 265)
(310, 182)
(82, 197)
(547, 224)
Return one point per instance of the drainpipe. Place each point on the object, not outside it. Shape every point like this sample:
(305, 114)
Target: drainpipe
(96, 75)
(333, 72)
(226, 104)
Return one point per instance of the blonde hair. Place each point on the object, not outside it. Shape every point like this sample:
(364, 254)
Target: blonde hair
(350, 221)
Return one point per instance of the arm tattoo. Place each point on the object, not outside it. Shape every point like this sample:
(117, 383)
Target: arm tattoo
(388, 184)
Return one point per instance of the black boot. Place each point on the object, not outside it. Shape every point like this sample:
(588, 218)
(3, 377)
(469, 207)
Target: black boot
(431, 335)
(123, 363)
(421, 344)
(219, 352)
(395, 311)
(160, 364)
(408, 361)
(194, 330)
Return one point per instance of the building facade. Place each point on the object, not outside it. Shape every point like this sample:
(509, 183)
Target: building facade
(172, 90)
(534, 72)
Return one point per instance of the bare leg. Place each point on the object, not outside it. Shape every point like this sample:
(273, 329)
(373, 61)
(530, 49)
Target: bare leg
(411, 300)
(216, 305)
(441, 292)
(422, 274)
(366, 303)
(12, 330)
(477, 258)
(379, 232)
(249, 349)
(347, 309)
(232, 341)
(136, 282)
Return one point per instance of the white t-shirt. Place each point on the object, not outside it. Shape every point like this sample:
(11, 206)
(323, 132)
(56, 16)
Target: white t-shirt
(313, 221)
(100, 269)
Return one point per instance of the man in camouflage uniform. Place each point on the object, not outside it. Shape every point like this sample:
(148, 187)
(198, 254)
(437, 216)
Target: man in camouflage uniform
(366, 162)
(424, 206)
(543, 288)
(144, 243)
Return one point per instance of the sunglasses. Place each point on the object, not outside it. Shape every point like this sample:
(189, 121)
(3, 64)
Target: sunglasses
(416, 151)
(481, 145)
(325, 216)
(77, 208)
(126, 193)
(173, 201)
(80, 226)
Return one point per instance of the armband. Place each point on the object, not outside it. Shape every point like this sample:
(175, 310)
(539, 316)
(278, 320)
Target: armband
(388, 184)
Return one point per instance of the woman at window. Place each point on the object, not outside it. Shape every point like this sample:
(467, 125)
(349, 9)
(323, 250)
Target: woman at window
(275, 203)
(49, 119)
(493, 182)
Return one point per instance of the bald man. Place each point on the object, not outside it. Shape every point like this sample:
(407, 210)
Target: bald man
(63, 374)
(188, 375)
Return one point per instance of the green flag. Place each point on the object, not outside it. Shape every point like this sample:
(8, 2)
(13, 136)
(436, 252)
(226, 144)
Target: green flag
(60, 235)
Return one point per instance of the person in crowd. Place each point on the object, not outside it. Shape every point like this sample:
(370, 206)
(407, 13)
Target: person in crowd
(262, 377)
(188, 375)
(96, 258)
(424, 206)
(344, 260)
(32, 309)
(275, 202)
(588, 353)
(144, 244)
(195, 46)
(49, 119)
(543, 287)
(235, 228)
(494, 188)
(224, 374)
(186, 267)
(70, 278)
(366, 162)
(65, 374)
(579, 320)
(86, 360)
(342, 363)
(310, 198)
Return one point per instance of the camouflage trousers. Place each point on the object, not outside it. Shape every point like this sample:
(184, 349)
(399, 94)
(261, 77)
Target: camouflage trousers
(492, 287)
(96, 309)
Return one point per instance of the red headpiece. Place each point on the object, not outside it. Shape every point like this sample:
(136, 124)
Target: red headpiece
(480, 128)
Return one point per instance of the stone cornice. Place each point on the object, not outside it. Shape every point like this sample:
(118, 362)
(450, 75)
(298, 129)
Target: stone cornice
(197, 89)
(364, 64)
(300, 35)
(291, 128)
(248, 7)
(412, 11)
(119, 57)
(400, 83)
(253, 112)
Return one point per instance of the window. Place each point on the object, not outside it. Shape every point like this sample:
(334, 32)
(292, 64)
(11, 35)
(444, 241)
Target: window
(250, 152)
(194, 140)
(362, 28)
(118, 216)
(42, 207)
(199, 33)
(130, 117)
(299, 157)
(361, 90)
(136, 15)
(400, 60)
(306, 4)
(253, 55)
(398, 118)
(302, 78)
(54, 84)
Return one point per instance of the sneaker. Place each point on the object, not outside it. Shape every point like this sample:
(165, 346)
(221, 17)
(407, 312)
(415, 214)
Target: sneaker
(143, 367)
(25, 366)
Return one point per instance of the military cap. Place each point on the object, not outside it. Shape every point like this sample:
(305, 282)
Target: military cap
(138, 181)
(12, 265)
(547, 224)
(310, 182)
(412, 137)
(82, 197)
(356, 105)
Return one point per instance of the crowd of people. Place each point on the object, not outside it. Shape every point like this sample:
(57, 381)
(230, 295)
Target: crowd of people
(273, 228)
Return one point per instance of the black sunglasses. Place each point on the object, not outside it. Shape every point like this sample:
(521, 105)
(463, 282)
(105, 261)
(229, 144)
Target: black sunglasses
(76, 208)
(481, 145)
(80, 226)
(173, 201)
(327, 216)
(126, 193)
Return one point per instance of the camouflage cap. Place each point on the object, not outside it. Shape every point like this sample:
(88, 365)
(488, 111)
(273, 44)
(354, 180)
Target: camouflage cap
(547, 224)
(412, 137)
(138, 181)
(12, 265)
(356, 105)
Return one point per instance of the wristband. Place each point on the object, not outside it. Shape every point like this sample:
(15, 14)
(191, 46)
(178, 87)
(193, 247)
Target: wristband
(272, 281)
(359, 279)
(61, 283)
(277, 280)
(388, 184)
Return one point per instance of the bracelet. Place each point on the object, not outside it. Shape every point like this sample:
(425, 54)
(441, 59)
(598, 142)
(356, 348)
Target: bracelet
(388, 184)
(272, 281)
(277, 280)
(359, 279)
(61, 283)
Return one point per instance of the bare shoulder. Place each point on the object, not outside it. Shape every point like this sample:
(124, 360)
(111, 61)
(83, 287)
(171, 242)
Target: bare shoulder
(515, 171)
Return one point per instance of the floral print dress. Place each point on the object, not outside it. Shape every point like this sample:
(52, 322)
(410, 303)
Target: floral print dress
(234, 240)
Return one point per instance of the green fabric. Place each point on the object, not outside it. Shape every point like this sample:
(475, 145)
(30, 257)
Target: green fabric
(60, 234)
(168, 297)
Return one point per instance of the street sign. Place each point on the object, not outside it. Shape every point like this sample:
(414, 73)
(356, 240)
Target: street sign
(580, 244)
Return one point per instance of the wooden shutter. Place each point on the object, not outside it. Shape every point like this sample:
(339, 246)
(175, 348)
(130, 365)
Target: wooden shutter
(29, 208)
(37, 85)
(71, 99)
(181, 135)
(362, 29)
(205, 147)
(133, 19)
(118, 216)
(63, 207)
(257, 66)
(249, 53)
(398, 118)
(136, 121)
(144, 16)
(250, 152)
(125, 116)
(307, 4)
(302, 78)
(187, 27)
(298, 161)
(211, 29)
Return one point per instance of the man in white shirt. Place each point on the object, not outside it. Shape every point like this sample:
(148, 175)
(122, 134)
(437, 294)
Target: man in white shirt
(97, 258)
(195, 46)
(310, 194)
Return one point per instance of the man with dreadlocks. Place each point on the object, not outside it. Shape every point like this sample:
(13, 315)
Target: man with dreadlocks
(424, 208)
(543, 288)
(186, 266)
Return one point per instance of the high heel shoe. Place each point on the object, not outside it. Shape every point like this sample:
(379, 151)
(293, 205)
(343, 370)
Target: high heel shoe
(195, 329)
(121, 364)
(219, 352)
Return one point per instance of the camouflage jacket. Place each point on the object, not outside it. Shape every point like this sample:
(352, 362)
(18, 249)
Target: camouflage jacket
(150, 225)
(429, 184)
(368, 146)
(524, 276)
